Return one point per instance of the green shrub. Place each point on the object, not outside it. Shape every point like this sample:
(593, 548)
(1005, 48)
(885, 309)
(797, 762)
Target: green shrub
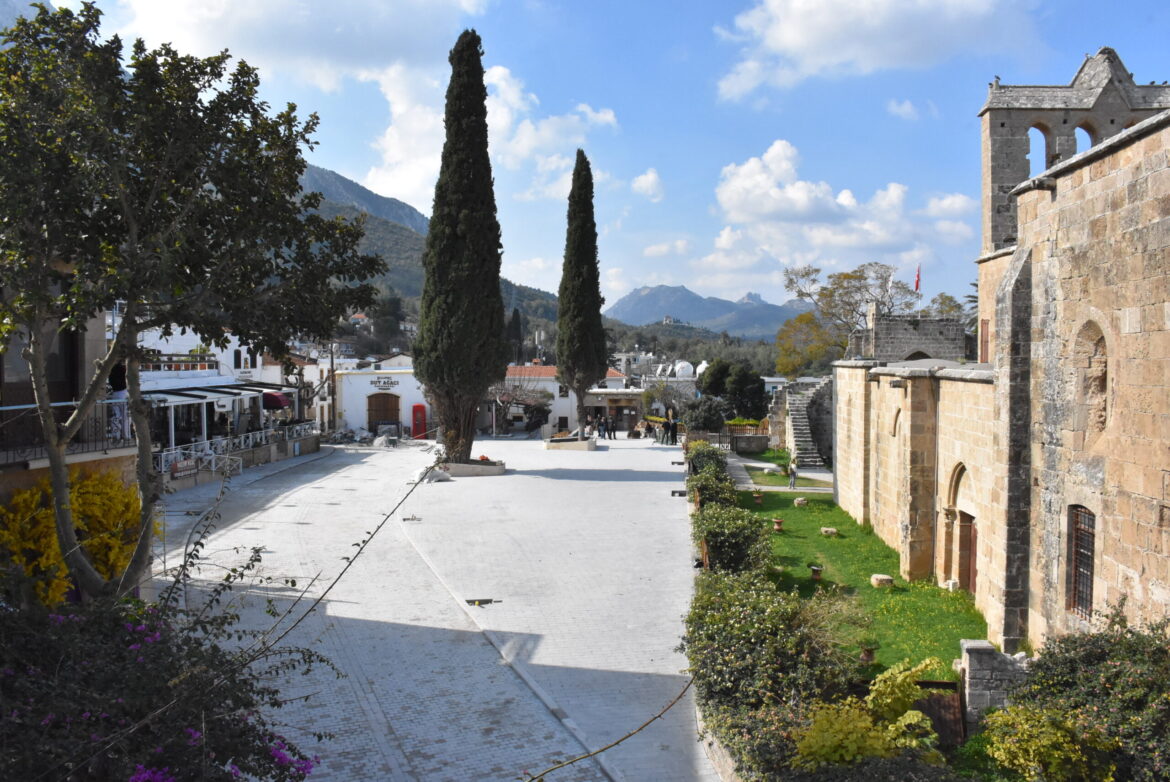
(893, 769)
(760, 658)
(1044, 744)
(701, 453)
(713, 485)
(736, 539)
(840, 734)
(739, 421)
(1117, 678)
(882, 726)
(706, 414)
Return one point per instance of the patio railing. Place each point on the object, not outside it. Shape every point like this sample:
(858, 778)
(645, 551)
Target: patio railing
(22, 440)
(215, 454)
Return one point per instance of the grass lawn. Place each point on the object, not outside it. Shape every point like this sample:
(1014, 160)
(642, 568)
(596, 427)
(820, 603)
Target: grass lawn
(910, 620)
(761, 478)
(777, 456)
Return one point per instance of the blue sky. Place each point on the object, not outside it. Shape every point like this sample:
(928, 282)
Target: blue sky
(728, 140)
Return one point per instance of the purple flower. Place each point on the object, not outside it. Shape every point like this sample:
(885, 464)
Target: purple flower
(235, 770)
(144, 774)
(192, 736)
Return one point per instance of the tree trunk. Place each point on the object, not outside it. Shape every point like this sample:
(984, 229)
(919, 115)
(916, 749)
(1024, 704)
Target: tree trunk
(580, 390)
(456, 416)
(88, 580)
(149, 481)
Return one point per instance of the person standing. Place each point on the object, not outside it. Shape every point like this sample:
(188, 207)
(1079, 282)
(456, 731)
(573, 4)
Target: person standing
(601, 421)
(792, 475)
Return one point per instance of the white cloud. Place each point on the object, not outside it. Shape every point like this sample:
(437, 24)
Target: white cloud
(677, 247)
(903, 109)
(318, 43)
(412, 145)
(649, 184)
(602, 117)
(784, 42)
(614, 284)
(953, 231)
(950, 205)
(775, 219)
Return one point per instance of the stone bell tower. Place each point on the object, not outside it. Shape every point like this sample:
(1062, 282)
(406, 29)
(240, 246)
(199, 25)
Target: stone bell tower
(1102, 100)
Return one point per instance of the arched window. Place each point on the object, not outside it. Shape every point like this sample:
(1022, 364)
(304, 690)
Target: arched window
(1037, 150)
(916, 356)
(1081, 533)
(1085, 136)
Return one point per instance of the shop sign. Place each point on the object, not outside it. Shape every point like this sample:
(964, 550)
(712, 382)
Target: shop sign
(383, 382)
(183, 468)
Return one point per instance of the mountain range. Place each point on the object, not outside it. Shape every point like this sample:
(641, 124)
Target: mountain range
(750, 316)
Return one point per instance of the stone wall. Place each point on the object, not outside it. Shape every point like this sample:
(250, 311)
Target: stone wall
(820, 422)
(988, 676)
(901, 338)
(1099, 235)
(851, 435)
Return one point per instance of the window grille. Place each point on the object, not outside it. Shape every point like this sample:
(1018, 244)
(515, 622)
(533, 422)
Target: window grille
(1082, 524)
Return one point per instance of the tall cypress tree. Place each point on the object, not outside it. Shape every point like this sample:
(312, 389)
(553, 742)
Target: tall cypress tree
(515, 334)
(461, 348)
(581, 349)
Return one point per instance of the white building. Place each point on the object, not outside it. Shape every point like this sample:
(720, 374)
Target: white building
(367, 398)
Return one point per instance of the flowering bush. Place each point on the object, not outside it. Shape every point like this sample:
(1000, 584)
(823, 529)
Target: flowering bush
(701, 453)
(150, 693)
(735, 538)
(106, 512)
(1044, 743)
(760, 658)
(712, 485)
(1117, 679)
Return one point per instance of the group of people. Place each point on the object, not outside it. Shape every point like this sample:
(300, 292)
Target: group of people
(603, 425)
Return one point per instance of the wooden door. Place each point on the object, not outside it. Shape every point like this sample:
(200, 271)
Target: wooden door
(381, 408)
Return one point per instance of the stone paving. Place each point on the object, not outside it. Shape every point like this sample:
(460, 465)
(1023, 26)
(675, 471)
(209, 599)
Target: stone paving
(585, 556)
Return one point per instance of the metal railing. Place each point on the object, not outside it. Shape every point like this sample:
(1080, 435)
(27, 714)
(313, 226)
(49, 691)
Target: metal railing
(216, 453)
(22, 440)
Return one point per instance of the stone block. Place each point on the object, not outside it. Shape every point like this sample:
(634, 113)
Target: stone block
(881, 580)
(800, 502)
(829, 532)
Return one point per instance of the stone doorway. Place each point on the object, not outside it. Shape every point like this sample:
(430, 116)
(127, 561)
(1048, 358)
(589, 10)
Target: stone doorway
(968, 546)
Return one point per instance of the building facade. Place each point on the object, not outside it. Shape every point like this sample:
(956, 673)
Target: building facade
(1039, 479)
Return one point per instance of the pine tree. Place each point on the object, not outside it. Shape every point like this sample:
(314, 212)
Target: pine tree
(461, 348)
(581, 348)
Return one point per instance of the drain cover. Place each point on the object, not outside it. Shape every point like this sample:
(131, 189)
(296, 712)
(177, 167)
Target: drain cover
(483, 601)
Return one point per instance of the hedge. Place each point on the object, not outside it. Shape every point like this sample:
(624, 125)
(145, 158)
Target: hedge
(735, 538)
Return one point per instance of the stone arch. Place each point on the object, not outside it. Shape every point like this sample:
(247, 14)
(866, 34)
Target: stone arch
(962, 532)
(1092, 135)
(1041, 151)
(1090, 359)
(917, 355)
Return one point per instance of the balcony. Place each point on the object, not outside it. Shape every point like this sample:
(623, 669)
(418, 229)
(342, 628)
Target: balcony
(105, 431)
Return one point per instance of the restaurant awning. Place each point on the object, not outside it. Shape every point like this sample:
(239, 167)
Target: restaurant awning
(222, 394)
(275, 401)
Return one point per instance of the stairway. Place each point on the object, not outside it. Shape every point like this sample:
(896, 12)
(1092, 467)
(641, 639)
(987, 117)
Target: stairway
(798, 435)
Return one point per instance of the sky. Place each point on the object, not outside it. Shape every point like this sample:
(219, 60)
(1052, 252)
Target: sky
(728, 140)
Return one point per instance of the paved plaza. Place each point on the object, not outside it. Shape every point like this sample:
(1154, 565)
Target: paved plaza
(585, 557)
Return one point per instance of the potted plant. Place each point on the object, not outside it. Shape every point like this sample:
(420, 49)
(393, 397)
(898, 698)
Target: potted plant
(868, 646)
(816, 570)
(758, 496)
(777, 524)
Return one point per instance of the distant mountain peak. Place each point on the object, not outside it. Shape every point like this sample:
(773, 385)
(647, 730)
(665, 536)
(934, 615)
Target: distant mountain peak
(750, 317)
(346, 192)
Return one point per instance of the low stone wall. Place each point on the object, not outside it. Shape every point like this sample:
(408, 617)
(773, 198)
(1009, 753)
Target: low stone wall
(472, 470)
(988, 675)
(749, 443)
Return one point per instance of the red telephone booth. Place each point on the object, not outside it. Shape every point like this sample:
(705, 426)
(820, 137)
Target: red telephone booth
(418, 422)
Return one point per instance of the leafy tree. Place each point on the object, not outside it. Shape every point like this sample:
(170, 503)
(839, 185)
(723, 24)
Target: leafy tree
(843, 300)
(713, 381)
(944, 305)
(581, 348)
(461, 349)
(745, 392)
(162, 182)
(706, 414)
(803, 343)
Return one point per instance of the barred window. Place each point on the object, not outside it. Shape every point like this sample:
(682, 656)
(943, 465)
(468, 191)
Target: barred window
(1082, 525)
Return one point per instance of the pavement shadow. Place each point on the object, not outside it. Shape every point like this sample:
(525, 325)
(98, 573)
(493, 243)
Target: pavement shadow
(585, 474)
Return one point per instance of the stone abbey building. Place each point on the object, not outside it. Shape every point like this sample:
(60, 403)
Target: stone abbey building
(1038, 478)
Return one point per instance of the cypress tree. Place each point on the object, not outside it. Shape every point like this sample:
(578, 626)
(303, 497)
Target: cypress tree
(581, 349)
(461, 348)
(515, 334)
